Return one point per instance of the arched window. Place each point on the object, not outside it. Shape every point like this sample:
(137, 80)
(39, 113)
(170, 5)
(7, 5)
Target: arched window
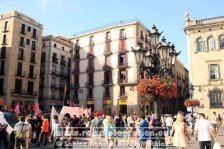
(200, 44)
(211, 43)
(221, 41)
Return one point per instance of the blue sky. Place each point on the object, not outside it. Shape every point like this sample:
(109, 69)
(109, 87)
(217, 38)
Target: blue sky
(66, 17)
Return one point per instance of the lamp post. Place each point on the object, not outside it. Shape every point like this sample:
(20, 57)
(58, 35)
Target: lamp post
(158, 59)
(191, 92)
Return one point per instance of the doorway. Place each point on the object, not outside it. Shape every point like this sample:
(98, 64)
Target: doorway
(123, 109)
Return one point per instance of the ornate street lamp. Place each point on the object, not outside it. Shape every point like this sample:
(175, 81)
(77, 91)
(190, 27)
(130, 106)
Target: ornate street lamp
(158, 59)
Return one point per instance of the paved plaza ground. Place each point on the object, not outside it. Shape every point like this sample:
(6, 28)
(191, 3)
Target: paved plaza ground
(192, 143)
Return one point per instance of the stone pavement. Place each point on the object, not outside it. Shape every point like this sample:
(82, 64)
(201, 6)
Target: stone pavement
(192, 143)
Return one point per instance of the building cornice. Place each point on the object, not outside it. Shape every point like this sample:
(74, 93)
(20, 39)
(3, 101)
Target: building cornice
(58, 40)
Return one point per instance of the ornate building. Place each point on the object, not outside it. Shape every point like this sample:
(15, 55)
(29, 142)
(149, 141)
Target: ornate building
(205, 40)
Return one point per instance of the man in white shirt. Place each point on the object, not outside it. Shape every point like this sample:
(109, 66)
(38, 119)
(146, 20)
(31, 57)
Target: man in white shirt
(169, 123)
(214, 123)
(203, 132)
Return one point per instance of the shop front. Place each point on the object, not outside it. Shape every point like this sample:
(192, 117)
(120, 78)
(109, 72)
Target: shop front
(90, 104)
(107, 105)
(122, 106)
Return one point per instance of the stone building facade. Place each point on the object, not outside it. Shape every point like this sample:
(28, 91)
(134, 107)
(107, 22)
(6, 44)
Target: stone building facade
(205, 40)
(55, 70)
(104, 72)
(20, 47)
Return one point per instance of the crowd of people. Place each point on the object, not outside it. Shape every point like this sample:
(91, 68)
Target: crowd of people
(63, 131)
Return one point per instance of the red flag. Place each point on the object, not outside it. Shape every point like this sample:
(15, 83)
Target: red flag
(16, 110)
(28, 107)
(23, 104)
(36, 109)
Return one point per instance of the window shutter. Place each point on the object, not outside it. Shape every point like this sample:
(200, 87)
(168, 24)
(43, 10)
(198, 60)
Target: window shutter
(204, 46)
(218, 71)
(209, 71)
(126, 76)
(118, 59)
(126, 59)
(118, 76)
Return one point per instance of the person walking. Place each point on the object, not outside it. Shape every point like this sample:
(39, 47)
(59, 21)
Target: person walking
(214, 123)
(20, 132)
(169, 123)
(180, 128)
(109, 131)
(29, 132)
(55, 133)
(95, 129)
(203, 132)
(44, 130)
(143, 132)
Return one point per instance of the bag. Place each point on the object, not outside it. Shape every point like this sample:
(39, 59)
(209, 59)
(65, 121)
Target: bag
(216, 146)
(19, 137)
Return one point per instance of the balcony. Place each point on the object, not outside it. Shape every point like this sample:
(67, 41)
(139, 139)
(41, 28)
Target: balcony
(2, 92)
(64, 74)
(31, 75)
(216, 106)
(31, 93)
(123, 95)
(107, 67)
(23, 31)
(21, 43)
(4, 42)
(90, 55)
(123, 65)
(76, 57)
(34, 36)
(55, 60)
(20, 73)
(21, 58)
(18, 92)
(32, 61)
(90, 84)
(107, 53)
(107, 82)
(5, 29)
(74, 85)
(63, 63)
(89, 68)
(125, 82)
(76, 70)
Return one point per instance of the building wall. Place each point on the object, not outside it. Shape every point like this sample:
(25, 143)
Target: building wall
(62, 48)
(15, 21)
(200, 60)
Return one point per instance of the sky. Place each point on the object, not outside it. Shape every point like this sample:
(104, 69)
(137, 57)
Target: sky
(66, 17)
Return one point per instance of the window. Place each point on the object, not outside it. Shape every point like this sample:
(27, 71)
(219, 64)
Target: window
(216, 98)
(141, 35)
(122, 76)
(19, 68)
(21, 41)
(90, 93)
(53, 80)
(221, 41)
(23, 29)
(3, 52)
(108, 36)
(32, 57)
(107, 91)
(62, 70)
(27, 42)
(122, 60)
(42, 57)
(44, 44)
(31, 71)
(6, 26)
(34, 33)
(63, 48)
(20, 55)
(1, 86)
(211, 43)
(30, 88)
(122, 33)
(200, 44)
(122, 90)
(18, 86)
(91, 40)
(62, 58)
(33, 45)
(29, 29)
(2, 68)
(55, 45)
(76, 79)
(4, 39)
(213, 71)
